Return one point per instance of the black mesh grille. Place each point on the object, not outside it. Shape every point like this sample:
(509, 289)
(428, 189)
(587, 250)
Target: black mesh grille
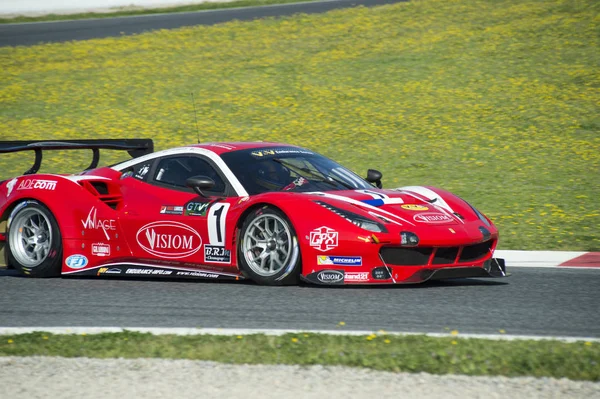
(405, 256)
(445, 255)
(474, 252)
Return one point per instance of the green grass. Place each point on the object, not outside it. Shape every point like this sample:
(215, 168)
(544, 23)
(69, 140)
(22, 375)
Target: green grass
(125, 12)
(577, 361)
(497, 101)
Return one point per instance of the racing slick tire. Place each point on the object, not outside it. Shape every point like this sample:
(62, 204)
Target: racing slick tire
(269, 252)
(34, 240)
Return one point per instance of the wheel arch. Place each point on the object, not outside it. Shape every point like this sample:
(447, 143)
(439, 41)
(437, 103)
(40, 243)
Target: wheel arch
(4, 220)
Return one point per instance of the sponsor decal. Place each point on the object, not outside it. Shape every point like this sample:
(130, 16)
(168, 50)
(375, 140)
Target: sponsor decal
(93, 223)
(432, 218)
(243, 199)
(28, 184)
(216, 254)
(324, 238)
(414, 207)
(361, 276)
(196, 208)
(169, 240)
(142, 172)
(339, 260)
(198, 274)
(330, 276)
(171, 210)
(101, 249)
(451, 230)
(300, 181)
(149, 271)
(76, 261)
(10, 185)
(279, 151)
(106, 270)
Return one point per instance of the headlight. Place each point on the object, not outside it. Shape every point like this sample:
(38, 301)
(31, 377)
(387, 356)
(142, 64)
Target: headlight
(357, 220)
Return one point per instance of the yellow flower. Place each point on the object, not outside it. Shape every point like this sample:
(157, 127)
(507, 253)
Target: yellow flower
(294, 340)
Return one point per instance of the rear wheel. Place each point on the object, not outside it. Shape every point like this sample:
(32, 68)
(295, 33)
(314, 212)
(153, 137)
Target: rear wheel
(34, 240)
(268, 252)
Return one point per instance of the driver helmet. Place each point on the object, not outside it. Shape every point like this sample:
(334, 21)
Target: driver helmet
(272, 175)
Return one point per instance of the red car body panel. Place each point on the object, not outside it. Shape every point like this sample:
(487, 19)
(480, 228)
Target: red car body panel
(115, 226)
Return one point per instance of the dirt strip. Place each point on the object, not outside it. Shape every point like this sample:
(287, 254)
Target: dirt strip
(51, 377)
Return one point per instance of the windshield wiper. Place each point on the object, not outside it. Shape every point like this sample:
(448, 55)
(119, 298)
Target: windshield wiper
(305, 170)
(340, 181)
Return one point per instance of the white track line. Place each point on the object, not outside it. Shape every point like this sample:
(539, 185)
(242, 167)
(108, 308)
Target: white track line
(276, 332)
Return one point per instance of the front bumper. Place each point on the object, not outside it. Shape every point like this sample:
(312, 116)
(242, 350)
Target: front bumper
(491, 268)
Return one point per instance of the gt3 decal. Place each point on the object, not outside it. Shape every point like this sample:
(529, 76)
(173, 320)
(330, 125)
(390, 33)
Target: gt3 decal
(196, 208)
(216, 223)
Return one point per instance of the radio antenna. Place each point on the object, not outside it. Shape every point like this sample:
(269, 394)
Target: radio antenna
(196, 117)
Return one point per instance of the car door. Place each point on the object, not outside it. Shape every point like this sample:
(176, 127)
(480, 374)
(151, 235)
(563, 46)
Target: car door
(166, 222)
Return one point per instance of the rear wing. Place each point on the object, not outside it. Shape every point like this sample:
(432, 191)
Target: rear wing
(135, 148)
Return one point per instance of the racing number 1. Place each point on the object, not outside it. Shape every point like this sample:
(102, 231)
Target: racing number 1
(216, 223)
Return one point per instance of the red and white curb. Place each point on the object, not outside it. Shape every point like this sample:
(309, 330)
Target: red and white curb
(277, 332)
(587, 260)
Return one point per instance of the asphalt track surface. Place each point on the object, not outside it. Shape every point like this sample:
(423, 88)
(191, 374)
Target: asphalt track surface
(61, 31)
(546, 302)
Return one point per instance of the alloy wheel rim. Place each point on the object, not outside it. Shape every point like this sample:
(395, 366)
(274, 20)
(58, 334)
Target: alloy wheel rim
(267, 245)
(30, 237)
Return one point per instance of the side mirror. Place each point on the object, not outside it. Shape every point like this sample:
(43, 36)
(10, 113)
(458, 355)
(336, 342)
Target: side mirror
(199, 183)
(374, 176)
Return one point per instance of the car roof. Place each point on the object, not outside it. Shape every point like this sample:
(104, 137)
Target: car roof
(224, 147)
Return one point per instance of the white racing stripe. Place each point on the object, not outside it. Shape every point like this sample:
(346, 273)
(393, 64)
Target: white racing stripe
(359, 204)
(277, 332)
(427, 193)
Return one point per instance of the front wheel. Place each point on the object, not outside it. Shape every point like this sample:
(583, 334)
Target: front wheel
(34, 240)
(268, 252)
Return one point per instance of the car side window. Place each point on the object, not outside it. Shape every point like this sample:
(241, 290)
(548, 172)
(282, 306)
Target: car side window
(174, 171)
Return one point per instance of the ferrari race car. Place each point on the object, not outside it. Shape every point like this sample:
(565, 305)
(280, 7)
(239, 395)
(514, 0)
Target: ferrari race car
(269, 212)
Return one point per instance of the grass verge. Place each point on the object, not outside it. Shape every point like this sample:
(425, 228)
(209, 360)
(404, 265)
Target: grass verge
(497, 101)
(577, 361)
(127, 12)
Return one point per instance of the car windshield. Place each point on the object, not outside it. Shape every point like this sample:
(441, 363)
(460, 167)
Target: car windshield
(290, 169)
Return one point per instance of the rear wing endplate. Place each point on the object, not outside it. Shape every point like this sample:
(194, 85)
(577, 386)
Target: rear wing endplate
(135, 148)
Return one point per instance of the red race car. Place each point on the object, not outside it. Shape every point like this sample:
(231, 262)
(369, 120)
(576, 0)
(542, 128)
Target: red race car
(269, 212)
